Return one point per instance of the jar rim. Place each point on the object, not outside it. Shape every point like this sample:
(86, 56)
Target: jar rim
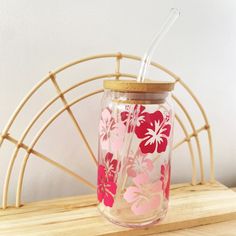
(149, 86)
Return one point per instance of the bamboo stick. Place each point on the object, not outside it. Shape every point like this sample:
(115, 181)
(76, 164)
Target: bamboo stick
(212, 165)
(42, 130)
(117, 65)
(188, 137)
(194, 170)
(74, 121)
(195, 136)
(20, 142)
(56, 164)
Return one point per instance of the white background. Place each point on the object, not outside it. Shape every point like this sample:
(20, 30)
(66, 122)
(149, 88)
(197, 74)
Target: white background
(39, 36)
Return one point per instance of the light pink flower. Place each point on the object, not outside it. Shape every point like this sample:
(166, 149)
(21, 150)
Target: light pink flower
(138, 163)
(144, 195)
(111, 132)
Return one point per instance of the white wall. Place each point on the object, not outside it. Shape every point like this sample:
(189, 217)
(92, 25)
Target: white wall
(38, 36)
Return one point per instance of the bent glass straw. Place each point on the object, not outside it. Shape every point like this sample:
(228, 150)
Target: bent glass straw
(146, 60)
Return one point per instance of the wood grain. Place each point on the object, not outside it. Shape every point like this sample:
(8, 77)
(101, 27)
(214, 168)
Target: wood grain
(227, 228)
(189, 206)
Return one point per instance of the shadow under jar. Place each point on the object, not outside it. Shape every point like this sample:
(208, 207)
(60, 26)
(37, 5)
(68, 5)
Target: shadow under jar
(135, 141)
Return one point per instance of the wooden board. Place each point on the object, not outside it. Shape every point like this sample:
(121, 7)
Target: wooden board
(189, 206)
(226, 228)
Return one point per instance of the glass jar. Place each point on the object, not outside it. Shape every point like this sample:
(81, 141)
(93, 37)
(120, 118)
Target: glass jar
(135, 140)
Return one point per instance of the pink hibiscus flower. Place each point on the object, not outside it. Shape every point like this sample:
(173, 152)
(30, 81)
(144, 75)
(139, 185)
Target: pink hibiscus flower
(165, 178)
(138, 163)
(110, 166)
(130, 114)
(144, 195)
(154, 133)
(111, 132)
(106, 189)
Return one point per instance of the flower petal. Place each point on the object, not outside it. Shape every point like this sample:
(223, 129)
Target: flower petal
(131, 172)
(108, 199)
(166, 130)
(156, 116)
(161, 146)
(140, 207)
(101, 174)
(100, 193)
(142, 129)
(111, 187)
(141, 179)
(117, 136)
(108, 157)
(156, 186)
(149, 164)
(106, 114)
(155, 202)
(147, 146)
(124, 116)
(144, 205)
(132, 194)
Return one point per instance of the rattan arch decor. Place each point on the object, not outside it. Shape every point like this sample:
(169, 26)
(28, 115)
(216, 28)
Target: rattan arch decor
(19, 142)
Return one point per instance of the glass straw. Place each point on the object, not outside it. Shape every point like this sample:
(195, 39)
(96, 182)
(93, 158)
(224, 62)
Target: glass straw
(146, 60)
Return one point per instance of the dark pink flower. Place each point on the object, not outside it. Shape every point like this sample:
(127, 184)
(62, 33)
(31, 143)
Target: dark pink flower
(130, 114)
(106, 189)
(154, 132)
(111, 166)
(165, 178)
(138, 163)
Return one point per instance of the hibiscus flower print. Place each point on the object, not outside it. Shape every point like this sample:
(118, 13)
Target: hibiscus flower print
(144, 195)
(107, 123)
(106, 189)
(106, 182)
(111, 166)
(154, 133)
(111, 132)
(138, 163)
(130, 114)
(165, 178)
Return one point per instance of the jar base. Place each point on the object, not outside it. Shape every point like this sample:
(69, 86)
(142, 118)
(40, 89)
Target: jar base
(133, 224)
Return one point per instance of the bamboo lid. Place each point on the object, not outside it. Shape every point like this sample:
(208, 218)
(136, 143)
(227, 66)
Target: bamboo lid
(134, 86)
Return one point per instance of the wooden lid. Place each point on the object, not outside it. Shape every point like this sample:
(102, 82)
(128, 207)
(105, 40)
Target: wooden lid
(133, 86)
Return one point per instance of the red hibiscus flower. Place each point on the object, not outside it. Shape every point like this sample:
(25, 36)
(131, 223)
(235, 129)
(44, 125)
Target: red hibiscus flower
(106, 182)
(131, 114)
(165, 178)
(106, 189)
(111, 166)
(154, 132)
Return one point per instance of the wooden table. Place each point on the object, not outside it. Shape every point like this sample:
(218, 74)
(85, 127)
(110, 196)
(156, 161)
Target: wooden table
(190, 206)
(227, 228)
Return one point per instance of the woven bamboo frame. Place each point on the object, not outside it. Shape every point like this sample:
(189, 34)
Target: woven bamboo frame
(51, 78)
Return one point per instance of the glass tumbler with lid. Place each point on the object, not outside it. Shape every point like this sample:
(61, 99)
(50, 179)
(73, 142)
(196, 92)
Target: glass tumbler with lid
(135, 141)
